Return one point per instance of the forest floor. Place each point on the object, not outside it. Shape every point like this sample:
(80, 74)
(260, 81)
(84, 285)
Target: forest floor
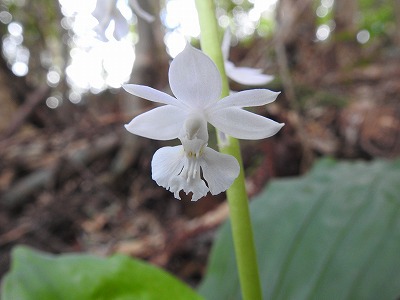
(88, 187)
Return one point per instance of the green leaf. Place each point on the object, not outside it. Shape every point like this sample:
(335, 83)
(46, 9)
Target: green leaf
(332, 234)
(39, 276)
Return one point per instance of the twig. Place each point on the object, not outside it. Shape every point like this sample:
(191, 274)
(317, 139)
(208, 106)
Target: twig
(164, 247)
(19, 194)
(32, 101)
(16, 233)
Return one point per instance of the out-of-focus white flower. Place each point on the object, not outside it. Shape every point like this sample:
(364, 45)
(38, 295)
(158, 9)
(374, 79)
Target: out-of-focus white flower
(196, 83)
(107, 12)
(242, 75)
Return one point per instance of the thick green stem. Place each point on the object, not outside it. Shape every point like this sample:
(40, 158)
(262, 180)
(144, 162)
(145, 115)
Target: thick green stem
(237, 197)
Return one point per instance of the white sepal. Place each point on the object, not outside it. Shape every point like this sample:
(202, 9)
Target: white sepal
(161, 123)
(243, 124)
(151, 94)
(194, 78)
(248, 98)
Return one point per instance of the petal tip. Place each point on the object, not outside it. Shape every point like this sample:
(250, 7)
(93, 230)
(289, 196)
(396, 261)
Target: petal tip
(129, 128)
(126, 86)
(279, 127)
(276, 94)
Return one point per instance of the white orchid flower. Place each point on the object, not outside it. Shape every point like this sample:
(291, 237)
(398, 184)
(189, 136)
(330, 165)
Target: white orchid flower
(196, 83)
(106, 12)
(242, 75)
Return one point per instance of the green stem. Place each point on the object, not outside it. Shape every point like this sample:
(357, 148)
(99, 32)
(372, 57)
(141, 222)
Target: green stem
(237, 197)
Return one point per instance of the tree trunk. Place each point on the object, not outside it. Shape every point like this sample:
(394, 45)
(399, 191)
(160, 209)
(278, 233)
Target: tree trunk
(347, 49)
(296, 21)
(14, 92)
(345, 15)
(293, 43)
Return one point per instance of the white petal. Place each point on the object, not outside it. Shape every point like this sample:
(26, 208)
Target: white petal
(151, 94)
(194, 78)
(247, 76)
(219, 170)
(161, 123)
(100, 32)
(255, 97)
(242, 124)
(140, 12)
(167, 163)
(103, 9)
(121, 25)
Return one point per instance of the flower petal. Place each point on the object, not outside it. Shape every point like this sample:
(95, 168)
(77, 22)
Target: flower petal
(103, 10)
(247, 76)
(242, 124)
(167, 163)
(121, 28)
(100, 32)
(161, 123)
(194, 78)
(219, 170)
(255, 97)
(151, 94)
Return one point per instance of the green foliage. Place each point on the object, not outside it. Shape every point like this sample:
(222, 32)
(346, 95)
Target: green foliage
(376, 16)
(266, 27)
(333, 234)
(40, 276)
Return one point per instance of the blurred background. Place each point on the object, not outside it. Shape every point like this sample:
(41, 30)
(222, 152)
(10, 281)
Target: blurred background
(73, 179)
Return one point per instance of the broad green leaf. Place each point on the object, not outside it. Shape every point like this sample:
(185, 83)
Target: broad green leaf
(39, 276)
(332, 234)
